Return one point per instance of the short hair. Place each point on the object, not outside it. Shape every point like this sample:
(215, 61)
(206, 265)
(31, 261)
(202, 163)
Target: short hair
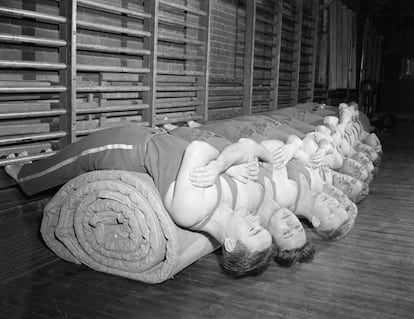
(241, 261)
(363, 194)
(378, 159)
(336, 233)
(287, 258)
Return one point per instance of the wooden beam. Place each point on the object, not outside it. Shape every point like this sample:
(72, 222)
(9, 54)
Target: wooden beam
(277, 29)
(202, 108)
(150, 61)
(332, 47)
(249, 56)
(315, 15)
(297, 51)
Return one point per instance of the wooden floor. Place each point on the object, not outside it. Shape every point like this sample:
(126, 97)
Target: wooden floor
(369, 274)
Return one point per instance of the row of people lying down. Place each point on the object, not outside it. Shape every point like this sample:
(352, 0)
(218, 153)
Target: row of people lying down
(246, 189)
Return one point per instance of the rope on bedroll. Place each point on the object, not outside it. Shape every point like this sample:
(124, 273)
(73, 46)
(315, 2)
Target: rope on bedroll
(115, 222)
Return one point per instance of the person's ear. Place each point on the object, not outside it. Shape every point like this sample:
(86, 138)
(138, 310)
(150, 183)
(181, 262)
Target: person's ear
(229, 244)
(315, 221)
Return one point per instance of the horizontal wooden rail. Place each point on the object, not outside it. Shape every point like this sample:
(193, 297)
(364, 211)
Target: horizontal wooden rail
(172, 72)
(176, 104)
(111, 29)
(180, 57)
(113, 9)
(31, 138)
(31, 65)
(178, 88)
(97, 129)
(176, 6)
(90, 89)
(174, 22)
(109, 49)
(163, 119)
(116, 69)
(169, 38)
(106, 109)
(25, 159)
(31, 114)
(28, 89)
(43, 17)
(264, 20)
(32, 40)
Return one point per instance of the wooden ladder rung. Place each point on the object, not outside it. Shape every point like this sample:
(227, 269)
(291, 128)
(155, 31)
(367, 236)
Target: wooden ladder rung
(183, 72)
(169, 38)
(109, 49)
(31, 65)
(116, 69)
(178, 88)
(111, 29)
(113, 88)
(180, 7)
(28, 89)
(32, 114)
(112, 108)
(180, 57)
(20, 13)
(175, 22)
(31, 138)
(113, 9)
(24, 159)
(32, 40)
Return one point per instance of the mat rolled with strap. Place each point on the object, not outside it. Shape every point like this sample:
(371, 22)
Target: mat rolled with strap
(115, 222)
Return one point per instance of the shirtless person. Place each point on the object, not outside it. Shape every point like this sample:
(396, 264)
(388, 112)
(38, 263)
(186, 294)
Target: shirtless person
(323, 211)
(180, 171)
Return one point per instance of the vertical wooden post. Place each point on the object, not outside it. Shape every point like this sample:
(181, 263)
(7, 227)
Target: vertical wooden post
(332, 47)
(204, 79)
(277, 43)
(150, 61)
(339, 55)
(315, 16)
(67, 77)
(353, 51)
(249, 56)
(296, 54)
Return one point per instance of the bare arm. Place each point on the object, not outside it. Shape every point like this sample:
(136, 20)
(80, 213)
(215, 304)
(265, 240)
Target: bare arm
(283, 153)
(244, 151)
(191, 204)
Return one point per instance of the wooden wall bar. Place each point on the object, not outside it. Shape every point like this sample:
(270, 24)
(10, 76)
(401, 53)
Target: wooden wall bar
(69, 68)
(72, 67)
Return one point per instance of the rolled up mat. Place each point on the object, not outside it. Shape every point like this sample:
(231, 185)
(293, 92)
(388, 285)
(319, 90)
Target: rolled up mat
(115, 222)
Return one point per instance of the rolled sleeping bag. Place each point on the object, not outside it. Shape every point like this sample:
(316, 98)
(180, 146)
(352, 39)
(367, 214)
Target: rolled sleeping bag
(114, 221)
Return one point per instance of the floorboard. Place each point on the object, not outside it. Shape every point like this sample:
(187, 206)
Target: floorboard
(369, 274)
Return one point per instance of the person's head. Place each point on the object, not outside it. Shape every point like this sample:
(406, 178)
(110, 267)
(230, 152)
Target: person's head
(354, 105)
(372, 140)
(247, 246)
(323, 129)
(337, 233)
(331, 122)
(289, 236)
(328, 215)
(376, 159)
(352, 168)
(363, 159)
(343, 106)
(352, 187)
